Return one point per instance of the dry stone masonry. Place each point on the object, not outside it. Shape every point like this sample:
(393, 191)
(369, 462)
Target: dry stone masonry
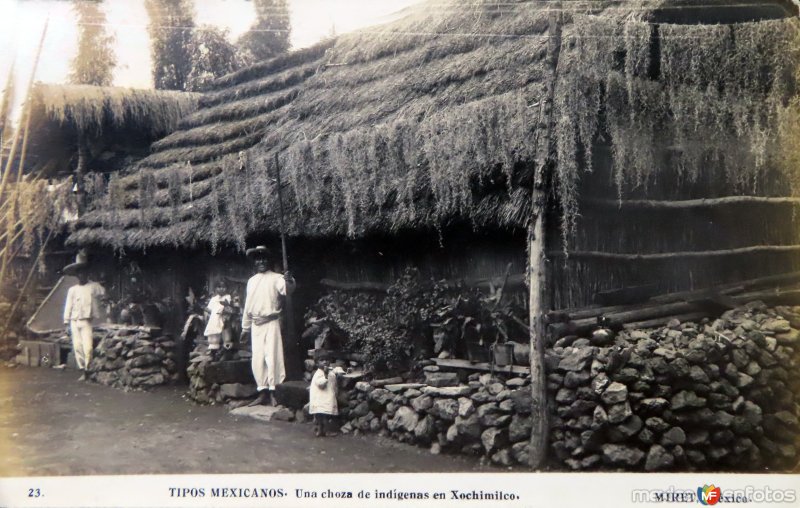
(213, 381)
(134, 359)
(485, 416)
(715, 395)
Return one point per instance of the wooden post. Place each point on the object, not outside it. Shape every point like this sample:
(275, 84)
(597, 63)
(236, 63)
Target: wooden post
(80, 172)
(537, 267)
(289, 307)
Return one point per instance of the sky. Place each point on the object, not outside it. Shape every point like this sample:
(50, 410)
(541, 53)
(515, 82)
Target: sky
(22, 23)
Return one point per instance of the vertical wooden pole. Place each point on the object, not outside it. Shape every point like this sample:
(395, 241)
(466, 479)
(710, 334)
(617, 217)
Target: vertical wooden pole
(537, 263)
(80, 173)
(289, 307)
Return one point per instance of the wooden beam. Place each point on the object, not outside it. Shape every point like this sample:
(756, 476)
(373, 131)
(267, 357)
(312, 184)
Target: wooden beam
(686, 204)
(456, 363)
(666, 256)
(723, 289)
(514, 281)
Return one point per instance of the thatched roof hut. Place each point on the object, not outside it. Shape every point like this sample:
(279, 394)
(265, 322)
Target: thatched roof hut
(117, 124)
(436, 119)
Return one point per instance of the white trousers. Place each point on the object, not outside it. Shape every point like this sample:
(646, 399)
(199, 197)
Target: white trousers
(267, 361)
(82, 344)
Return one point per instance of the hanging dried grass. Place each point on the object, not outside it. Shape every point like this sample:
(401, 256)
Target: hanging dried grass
(718, 102)
(90, 107)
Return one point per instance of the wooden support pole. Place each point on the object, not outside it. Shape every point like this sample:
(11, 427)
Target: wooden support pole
(289, 307)
(537, 267)
(80, 173)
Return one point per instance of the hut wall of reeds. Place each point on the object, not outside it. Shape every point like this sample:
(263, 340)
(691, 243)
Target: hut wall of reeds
(433, 123)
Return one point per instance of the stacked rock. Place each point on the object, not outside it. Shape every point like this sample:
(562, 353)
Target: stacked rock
(133, 359)
(488, 416)
(716, 395)
(214, 381)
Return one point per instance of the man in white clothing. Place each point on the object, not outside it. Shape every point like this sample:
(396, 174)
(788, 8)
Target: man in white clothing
(79, 310)
(261, 323)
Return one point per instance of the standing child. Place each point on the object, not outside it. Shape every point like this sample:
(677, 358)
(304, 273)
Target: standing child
(322, 399)
(217, 312)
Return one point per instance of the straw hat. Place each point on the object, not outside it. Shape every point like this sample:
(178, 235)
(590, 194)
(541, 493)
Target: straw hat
(257, 252)
(81, 261)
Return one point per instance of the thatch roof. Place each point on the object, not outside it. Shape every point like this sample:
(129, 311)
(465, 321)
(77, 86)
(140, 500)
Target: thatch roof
(415, 124)
(117, 123)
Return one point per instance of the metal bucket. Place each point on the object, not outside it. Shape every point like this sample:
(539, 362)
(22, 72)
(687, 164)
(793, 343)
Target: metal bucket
(503, 354)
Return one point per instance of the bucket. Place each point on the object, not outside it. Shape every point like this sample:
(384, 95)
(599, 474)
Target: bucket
(476, 353)
(522, 353)
(503, 354)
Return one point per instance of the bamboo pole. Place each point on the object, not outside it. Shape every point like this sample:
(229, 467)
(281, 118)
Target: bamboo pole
(753, 249)
(9, 84)
(6, 257)
(537, 267)
(15, 140)
(652, 204)
(10, 316)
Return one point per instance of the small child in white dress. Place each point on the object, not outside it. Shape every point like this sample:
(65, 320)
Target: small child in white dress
(322, 396)
(216, 318)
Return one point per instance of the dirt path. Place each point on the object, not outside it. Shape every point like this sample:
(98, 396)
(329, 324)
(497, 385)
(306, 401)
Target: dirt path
(51, 424)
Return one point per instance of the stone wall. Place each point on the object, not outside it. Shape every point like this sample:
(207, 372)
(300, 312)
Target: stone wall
(718, 395)
(485, 416)
(133, 359)
(220, 381)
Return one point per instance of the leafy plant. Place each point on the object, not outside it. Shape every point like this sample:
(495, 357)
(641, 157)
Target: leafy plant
(418, 316)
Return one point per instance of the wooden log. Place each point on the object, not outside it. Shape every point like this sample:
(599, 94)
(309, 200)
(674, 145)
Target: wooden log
(667, 256)
(663, 320)
(780, 296)
(686, 204)
(724, 289)
(660, 314)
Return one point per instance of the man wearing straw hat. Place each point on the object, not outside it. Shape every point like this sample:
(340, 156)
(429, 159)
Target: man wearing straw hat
(79, 310)
(261, 321)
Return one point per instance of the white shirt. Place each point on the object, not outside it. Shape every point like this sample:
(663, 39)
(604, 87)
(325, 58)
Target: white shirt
(215, 308)
(81, 300)
(322, 396)
(263, 296)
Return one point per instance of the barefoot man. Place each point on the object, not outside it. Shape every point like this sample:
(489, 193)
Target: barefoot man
(261, 322)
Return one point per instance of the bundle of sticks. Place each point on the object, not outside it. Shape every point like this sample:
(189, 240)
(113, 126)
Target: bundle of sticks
(781, 289)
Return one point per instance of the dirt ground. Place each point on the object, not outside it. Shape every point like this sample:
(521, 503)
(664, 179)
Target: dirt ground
(51, 424)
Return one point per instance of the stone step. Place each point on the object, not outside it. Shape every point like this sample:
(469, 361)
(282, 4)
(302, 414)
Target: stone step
(265, 413)
(292, 394)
